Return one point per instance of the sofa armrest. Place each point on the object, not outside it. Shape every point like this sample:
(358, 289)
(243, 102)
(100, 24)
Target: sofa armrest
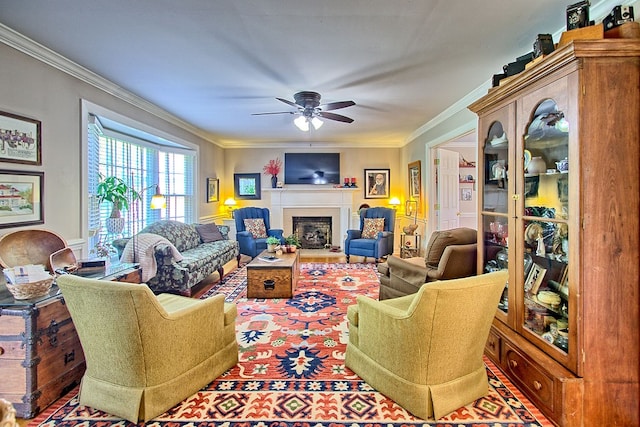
(120, 244)
(224, 230)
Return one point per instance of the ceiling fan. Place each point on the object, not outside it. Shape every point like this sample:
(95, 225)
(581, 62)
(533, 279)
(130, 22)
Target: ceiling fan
(309, 109)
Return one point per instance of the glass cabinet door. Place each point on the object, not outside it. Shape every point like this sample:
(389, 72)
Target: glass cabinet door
(544, 221)
(495, 198)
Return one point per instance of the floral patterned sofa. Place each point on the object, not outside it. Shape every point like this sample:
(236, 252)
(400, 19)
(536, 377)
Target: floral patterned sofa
(200, 259)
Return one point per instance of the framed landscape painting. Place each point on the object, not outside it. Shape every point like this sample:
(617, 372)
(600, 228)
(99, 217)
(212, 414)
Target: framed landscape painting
(21, 201)
(246, 185)
(213, 190)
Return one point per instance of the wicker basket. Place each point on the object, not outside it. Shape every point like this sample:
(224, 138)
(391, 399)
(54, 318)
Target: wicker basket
(30, 290)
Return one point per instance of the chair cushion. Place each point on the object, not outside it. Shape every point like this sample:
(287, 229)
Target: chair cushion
(371, 227)
(256, 227)
(441, 239)
(209, 232)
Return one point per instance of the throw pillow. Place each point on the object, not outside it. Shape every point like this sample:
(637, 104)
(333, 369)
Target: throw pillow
(371, 228)
(209, 232)
(256, 227)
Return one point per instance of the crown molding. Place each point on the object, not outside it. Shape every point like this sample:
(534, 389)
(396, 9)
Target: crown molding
(43, 54)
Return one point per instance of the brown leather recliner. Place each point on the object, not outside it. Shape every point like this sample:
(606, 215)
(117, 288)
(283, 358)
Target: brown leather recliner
(450, 254)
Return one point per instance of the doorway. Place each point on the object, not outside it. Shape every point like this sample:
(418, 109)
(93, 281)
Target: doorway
(452, 181)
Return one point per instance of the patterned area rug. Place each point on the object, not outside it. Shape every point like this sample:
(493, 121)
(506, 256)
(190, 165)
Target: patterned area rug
(291, 370)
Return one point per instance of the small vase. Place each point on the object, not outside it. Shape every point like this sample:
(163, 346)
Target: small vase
(274, 181)
(537, 166)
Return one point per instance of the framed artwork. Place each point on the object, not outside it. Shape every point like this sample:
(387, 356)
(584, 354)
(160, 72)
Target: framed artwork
(466, 194)
(534, 279)
(21, 201)
(563, 189)
(376, 183)
(213, 190)
(531, 184)
(20, 139)
(415, 179)
(246, 186)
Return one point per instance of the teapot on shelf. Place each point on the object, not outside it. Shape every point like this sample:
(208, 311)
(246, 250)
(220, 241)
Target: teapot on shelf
(563, 165)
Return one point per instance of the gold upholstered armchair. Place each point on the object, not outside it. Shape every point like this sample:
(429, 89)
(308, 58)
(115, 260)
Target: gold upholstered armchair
(147, 353)
(424, 350)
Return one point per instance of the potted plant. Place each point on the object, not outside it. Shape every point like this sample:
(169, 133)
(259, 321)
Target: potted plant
(115, 190)
(272, 243)
(293, 242)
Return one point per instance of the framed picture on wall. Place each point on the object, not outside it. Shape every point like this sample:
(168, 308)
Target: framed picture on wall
(415, 179)
(213, 190)
(376, 183)
(466, 194)
(22, 200)
(20, 139)
(246, 186)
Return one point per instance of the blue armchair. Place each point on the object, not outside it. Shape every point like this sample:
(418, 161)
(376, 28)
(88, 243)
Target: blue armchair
(251, 236)
(375, 237)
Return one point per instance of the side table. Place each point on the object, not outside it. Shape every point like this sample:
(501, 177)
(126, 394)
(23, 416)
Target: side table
(409, 245)
(117, 272)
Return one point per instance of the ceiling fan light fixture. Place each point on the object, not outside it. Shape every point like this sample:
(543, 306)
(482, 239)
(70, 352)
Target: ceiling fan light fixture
(302, 123)
(316, 122)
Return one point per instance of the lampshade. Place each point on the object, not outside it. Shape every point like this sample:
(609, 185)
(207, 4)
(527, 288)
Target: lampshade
(230, 203)
(394, 202)
(302, 123)
(158, 201)
(316, 122)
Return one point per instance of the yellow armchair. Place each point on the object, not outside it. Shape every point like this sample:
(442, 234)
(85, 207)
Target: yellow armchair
(424, 350)
(147, 353)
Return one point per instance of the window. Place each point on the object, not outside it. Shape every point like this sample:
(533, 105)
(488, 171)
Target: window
(143, 164)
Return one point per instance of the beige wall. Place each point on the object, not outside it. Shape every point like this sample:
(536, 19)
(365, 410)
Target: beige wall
(353, 161)
(36, 90)
(30, 88)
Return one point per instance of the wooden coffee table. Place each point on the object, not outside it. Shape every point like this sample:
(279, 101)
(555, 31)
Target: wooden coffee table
(283, 271)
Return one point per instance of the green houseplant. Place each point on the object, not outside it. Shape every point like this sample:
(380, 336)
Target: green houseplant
(114, 190)
(272, 243)
(293, 240)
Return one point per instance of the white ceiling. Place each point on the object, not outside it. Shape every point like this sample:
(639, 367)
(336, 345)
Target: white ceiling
(214, 63)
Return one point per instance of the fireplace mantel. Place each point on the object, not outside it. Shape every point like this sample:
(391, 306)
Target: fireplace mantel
(312, 200)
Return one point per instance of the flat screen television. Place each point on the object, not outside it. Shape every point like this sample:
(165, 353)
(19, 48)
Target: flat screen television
(312, 168)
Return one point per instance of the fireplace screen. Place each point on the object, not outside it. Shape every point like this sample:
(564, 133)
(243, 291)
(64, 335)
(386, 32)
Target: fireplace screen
(313, 232)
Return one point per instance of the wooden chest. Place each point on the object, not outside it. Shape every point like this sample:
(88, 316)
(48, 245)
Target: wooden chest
(273, 278)
(40, 354)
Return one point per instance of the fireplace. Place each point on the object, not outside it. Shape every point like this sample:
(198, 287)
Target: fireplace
(312, 201)
(314, 232)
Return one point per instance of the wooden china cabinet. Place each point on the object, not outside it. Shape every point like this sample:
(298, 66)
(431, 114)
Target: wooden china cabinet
(559, 208)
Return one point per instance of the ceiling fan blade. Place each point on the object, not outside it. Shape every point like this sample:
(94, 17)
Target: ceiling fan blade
(286, 101)
(277, 112)
(334, 116)
(337, 105)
